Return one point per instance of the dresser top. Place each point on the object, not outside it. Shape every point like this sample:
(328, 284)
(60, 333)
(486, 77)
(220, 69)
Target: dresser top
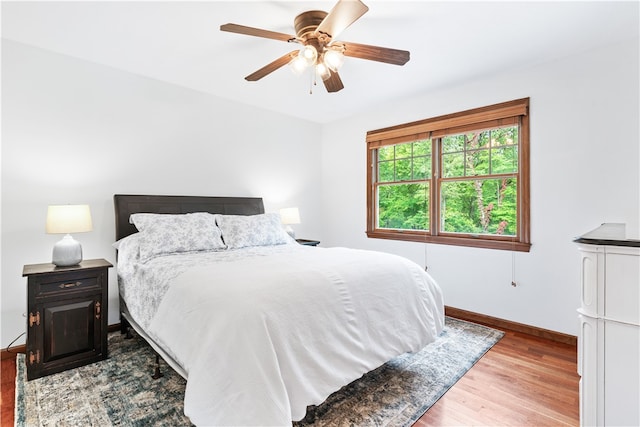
(610, 234)
(45, 268)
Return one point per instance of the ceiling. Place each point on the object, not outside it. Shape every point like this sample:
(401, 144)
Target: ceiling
(451, 42)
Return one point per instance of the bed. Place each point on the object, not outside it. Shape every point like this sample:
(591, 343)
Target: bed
(260, 326)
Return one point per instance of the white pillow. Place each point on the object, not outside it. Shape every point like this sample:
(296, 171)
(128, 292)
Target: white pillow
(128, 247)
(162, 234)
(239, 231)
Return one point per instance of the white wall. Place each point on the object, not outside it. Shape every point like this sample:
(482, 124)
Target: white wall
(78, 132)
(584, 171)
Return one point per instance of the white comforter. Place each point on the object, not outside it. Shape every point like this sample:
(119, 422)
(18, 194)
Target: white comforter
(262, 337)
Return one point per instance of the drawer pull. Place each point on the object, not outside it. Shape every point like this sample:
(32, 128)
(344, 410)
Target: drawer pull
(97, 310)
(70, 285)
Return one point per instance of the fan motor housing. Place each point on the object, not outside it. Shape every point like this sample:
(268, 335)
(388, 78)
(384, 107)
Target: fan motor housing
(307, 22)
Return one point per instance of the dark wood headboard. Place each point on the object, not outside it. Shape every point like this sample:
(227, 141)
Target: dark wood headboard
(127, 204)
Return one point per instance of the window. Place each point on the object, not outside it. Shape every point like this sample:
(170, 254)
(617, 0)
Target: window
(460, 179)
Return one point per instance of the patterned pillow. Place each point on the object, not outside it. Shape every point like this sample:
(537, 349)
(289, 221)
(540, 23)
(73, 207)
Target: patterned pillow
(239, 231)
(162, 234)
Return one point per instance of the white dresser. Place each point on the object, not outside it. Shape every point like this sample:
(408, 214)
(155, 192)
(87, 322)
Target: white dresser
(609, 337)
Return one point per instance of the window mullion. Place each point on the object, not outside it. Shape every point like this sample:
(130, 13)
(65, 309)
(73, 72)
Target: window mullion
(490, 148)
(436, 167)
(395, 163)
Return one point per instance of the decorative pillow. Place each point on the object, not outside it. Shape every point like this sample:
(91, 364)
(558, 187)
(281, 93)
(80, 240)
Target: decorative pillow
(162, 234)
(239, 231)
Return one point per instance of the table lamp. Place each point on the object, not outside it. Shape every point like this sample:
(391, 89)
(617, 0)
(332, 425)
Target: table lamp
(66, 219)
(290, 216)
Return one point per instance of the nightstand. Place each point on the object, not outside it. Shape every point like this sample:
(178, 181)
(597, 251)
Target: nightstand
(67, 316)
(308, 242)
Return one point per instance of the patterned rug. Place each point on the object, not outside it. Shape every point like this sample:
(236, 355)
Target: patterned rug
(119, 391)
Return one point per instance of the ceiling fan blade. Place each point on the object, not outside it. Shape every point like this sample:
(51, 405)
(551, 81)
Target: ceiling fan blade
(333, 83)
(257, 32)
(343, 14)
(376, 53)
(271, 67)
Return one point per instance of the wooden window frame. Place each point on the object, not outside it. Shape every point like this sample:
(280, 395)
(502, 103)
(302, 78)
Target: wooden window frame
(497, 115)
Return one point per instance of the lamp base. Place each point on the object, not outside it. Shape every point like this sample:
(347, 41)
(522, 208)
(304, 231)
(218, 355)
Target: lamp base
(67, 252)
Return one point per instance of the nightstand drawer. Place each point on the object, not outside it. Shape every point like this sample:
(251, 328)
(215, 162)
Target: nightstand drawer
(48, 286)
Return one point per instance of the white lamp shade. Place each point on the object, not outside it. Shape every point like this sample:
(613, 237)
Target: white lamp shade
(63, 219)
(290, 216)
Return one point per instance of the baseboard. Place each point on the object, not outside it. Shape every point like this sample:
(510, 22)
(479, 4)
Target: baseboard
(22, 348)
(14, 350)
(497, 323)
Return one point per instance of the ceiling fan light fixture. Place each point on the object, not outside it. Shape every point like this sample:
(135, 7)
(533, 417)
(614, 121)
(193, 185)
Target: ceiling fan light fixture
(333, 59)
(309, 54)
(323, 71)
(298, 65)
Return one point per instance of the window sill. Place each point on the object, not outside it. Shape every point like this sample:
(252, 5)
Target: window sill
(468, 241)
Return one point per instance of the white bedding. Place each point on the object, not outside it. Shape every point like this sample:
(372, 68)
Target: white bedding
(264, 332)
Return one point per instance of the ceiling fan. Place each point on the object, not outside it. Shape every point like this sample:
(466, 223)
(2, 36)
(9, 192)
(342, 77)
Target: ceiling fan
(316, 31)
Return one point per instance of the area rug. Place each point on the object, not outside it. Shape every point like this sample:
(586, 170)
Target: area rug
(119, 391)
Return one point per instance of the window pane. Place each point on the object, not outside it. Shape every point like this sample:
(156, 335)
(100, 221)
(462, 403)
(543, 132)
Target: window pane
(403, 170)
(403, 151)
(477, 162)
(504, 136)
(471, 141)
(452, 143)
(385, 173)
(385, 153)
(479, 206)
(453, 165)
(422, 148)
(421, 167)
(483, 139)
(403, 206)
(504, 160)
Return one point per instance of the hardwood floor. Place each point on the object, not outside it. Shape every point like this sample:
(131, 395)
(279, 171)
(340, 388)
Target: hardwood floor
(522, 381)
(8, 391)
